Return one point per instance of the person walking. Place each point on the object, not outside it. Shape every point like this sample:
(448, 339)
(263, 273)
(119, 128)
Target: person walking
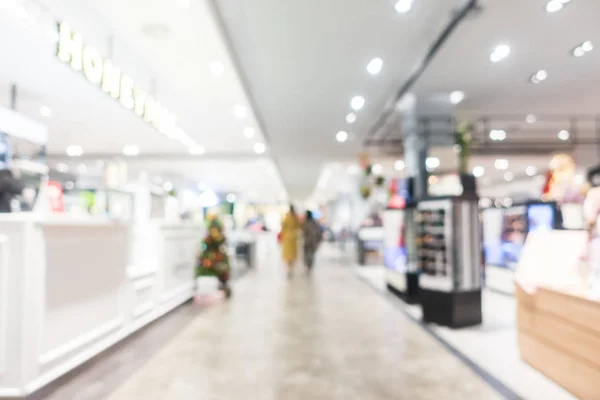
(312, 234)
(289, 239)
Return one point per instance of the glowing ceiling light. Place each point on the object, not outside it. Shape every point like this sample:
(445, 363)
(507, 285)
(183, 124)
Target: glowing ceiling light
(341, 136)
(63, 168)
(74, 151)
(500, 53)
(456, 97)
(231, 198)
(432, 163)
(587, 46)
(501, 164)
(554, 5)
(399, 165)
(217, 68)
(377, 169)
(197, 150)
(260, 148)
(131, 150)
(498, 135)
(478, 171)
(564, 135)
(403, 6)
(578, 51)
(357, 103)
(531, 119)
(531, 171)
(375, 65)
(45, 111)
(539, 76)
(351, 118)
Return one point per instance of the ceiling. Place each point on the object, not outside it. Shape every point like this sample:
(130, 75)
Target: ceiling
(303, 61)
(175, 59)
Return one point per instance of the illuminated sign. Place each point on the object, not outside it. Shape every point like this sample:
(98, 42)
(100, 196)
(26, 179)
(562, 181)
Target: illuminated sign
(104, 74)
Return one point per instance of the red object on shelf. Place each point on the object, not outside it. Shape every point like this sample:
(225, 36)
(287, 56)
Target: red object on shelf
(55, 194)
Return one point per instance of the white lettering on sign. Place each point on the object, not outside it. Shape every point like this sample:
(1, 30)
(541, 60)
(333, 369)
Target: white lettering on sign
(103, 73)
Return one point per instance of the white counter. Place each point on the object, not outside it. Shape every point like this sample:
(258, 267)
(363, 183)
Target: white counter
(69, 289)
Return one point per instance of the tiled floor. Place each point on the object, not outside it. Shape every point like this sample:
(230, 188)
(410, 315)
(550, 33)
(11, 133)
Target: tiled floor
(328, 336)
(492, 346)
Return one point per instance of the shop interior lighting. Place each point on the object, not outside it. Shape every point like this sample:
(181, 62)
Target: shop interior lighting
(556, 5)
(63, 168)
(500, 53)
(375, 65)
(501, 164)
(217, 68)
(249, 132)
(478, 171)
(197, 150)
(239, 111)
(403, 6)
(357, 103)
(260, 148)
(74, 151)
(539, 76)
(564, 135)
(45, 111)
(531, 171)
(507, 202)
(351, 118)
(341, 136)
(583, 48)
(131, 150)
(509, 176)
(231, 198)
(497, 135)
(377, 169)
(531, 119)
(457, 96)
(399, 165)
(432, 163)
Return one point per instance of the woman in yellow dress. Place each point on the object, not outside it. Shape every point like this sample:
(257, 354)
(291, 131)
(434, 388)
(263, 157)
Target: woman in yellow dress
(289, 238)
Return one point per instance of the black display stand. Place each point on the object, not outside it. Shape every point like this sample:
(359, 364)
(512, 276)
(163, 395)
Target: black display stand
(453, 309)
(411, 295)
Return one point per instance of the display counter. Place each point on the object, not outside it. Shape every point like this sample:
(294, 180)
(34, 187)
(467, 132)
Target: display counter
(71, 288)
(558, 311)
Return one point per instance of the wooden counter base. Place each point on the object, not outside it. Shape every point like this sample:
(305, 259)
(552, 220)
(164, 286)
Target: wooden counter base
(559, 334)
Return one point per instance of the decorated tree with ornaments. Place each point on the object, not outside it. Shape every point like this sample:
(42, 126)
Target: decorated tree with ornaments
(213, 260)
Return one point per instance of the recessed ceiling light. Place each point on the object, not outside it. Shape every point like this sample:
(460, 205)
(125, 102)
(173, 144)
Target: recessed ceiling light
(377, 169)
(197, 150)
(432, 163)
(509, 176)
(578, 51)
(45, 111)
(231, 198)
(131, 150)
(501, 164)
(500, 53)
(260, 148)
(217, 68)
(239, 111)
(539, 76)
(249, 132)
(357, 103)
(183, 4)
(403, 6)
(375, 65)
(399, 165)
(351, 118)
(531, 171)
(456, 97)
(531, 119)
(74, 151)
(564, 135)
(554, 5)
(497, 134)
(478, 171)
(63, 168)
(341, 136)
(587, 46)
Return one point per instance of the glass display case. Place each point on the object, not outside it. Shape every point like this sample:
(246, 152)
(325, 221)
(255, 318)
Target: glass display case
(115, 204)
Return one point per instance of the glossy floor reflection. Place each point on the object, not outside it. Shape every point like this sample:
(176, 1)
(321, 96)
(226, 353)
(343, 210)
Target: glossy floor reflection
(324, 337)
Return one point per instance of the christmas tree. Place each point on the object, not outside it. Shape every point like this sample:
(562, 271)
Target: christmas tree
(213, 261)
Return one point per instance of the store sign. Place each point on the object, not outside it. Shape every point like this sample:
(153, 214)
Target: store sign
(104, 74)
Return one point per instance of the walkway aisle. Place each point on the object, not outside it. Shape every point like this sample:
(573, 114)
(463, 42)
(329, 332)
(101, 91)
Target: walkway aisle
(325, 337)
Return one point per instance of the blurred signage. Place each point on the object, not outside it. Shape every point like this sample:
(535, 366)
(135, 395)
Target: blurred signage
(104, 74)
